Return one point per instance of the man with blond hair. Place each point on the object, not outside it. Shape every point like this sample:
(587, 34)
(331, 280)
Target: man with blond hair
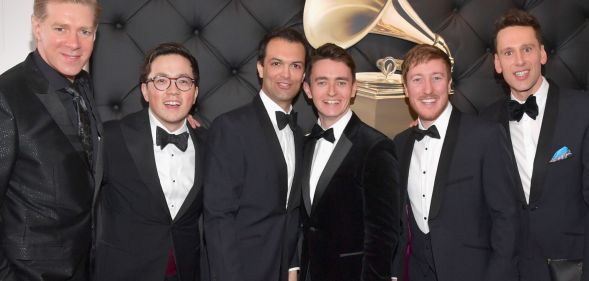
(50, 149)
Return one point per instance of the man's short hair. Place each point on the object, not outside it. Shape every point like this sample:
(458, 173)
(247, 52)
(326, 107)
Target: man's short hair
(424, 53)
(170, 48)
(40, 7)
(332, 52)
(286, 33)
(516, 17)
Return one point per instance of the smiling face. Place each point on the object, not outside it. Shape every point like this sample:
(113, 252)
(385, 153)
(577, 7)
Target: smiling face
(427, 87)
(282, 71)
(519, 59)
(170, 106)
(331, 86)
(65, 37)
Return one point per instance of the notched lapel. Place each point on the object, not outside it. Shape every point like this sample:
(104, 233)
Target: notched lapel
(444, 164)
(544, 149)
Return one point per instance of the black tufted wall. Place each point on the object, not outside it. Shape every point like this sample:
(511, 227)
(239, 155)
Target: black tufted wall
(223, 35)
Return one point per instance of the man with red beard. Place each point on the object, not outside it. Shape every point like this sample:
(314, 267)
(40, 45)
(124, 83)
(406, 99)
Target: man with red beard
(548, 129)
(460, 220)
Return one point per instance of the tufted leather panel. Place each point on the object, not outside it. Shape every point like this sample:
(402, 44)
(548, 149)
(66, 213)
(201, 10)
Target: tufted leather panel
(223, 35)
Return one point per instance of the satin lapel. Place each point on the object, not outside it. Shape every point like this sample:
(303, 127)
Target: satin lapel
(57, 111)
(406, 161)
(197, 185)
(269, 136)
(138, 139)
(543, 151)
(295, 190)
(504, 120)
(309, 150)
(444, 163)
(343, 146)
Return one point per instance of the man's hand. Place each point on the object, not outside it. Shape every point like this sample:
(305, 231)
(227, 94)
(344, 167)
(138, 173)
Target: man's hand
(293, 275)
(193, 123)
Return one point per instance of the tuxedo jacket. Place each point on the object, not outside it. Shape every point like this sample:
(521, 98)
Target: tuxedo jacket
(47, 186)
(472, 218)
(556, 219)
(136, 230)
(250, 232)
(352, 227)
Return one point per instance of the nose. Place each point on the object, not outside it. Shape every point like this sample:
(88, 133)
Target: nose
(173, 88)
(427, 86)
(73, 40)
(285, 71)
(519, 58)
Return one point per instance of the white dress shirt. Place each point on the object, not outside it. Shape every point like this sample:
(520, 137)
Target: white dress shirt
(423, 169)
(175, 168)
(524, 138)
(285, 137)
(323, 150)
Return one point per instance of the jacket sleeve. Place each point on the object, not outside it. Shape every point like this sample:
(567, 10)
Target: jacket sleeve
(499, 187)
(380, 183)
(223, 174)
(8, 151)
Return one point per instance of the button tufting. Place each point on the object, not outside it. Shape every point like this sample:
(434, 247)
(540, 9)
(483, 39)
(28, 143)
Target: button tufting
(234, 71)
(116, 107)
(119, 25)
(196, 31)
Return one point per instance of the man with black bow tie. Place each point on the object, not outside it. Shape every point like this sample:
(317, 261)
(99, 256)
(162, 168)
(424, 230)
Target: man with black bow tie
(351, 213)
(548, 129)
(152, 189)
(252, 194)
(460, 220)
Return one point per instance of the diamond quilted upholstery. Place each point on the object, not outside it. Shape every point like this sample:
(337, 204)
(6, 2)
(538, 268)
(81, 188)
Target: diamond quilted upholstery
(223, 35)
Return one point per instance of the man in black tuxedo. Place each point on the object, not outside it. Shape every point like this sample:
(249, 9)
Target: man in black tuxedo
(151, 197)
(252, 195)
(50, 149)
(460, 218)
(351, 213)
(548, 130)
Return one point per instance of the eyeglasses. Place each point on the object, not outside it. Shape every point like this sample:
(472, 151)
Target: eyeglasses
(162, 83)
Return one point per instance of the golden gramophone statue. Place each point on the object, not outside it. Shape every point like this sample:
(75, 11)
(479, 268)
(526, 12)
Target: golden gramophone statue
(345, 22)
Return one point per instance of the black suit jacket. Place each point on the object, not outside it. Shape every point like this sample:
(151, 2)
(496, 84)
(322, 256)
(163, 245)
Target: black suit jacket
(136, 230)
(556, 219)
(352, 227)
(250, 232)
(472, 220)
(47, 187)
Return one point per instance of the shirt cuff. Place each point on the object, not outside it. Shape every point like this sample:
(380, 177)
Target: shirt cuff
(294, 269)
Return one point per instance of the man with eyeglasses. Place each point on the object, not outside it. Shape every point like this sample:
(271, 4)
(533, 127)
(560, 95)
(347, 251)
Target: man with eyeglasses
(152, 196)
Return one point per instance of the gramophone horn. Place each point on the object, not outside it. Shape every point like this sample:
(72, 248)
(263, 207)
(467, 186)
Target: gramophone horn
(345, 22)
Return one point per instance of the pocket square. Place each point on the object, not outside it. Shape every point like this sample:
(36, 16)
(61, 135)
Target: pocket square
(561, 154)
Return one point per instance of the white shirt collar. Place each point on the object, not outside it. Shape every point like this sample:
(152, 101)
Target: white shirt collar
(339, 125)
(154, 123)
(272, 107)
(442, 121)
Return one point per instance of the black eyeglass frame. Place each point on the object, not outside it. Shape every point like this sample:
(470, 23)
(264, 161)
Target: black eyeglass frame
(170, 82)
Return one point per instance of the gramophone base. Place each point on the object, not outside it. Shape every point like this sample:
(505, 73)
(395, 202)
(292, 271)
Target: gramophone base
(390, 115)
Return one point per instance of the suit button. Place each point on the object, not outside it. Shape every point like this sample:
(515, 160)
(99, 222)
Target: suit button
(313, 229)
(524, 206)
(534, 208)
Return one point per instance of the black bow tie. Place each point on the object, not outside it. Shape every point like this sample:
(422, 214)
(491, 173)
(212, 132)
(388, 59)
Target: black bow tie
(517, 110)
(282, 119)
(432, 132)
(162, 139)
(317, 132)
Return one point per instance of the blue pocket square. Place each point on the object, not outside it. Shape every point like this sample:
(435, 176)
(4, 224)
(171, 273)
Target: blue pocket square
(561, 154)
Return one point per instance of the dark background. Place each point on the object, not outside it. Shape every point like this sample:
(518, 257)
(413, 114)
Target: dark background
(224, 35)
